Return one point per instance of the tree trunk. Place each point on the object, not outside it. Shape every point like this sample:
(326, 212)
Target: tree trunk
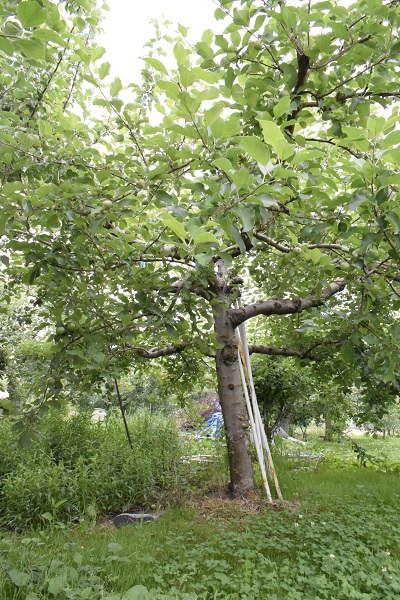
(232, 402)
(328, 429)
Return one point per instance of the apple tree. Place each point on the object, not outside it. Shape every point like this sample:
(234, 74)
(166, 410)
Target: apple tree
(261, 167)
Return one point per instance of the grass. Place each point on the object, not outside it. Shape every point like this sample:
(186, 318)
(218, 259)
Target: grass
(80, 471)
(336, 538)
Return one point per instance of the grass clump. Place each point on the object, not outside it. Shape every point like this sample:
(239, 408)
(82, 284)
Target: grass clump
(81, 471)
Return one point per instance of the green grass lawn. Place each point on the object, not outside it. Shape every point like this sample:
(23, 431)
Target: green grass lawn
(336, 537)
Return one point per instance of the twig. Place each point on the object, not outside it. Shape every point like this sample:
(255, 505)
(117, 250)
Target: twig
(121, 406)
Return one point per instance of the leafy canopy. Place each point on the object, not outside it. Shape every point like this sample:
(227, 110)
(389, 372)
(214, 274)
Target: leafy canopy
(275, 149)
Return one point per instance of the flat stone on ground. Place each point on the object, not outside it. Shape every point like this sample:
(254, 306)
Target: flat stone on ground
(129, 518)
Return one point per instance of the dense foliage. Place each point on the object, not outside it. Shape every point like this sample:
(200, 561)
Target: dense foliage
(79, 471)
(272, 166)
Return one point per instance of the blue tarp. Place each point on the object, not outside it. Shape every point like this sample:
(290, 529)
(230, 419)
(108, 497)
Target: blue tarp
(213, 427)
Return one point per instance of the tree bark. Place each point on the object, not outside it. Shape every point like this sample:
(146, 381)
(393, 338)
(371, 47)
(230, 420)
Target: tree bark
(231, 398)
(328, 429)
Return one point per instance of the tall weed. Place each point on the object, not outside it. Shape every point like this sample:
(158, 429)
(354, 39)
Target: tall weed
(82, 470)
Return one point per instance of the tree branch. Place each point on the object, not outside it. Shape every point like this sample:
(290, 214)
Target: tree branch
(283, 307)
(157, 352)
(352, 77)
(273, 351)
(321, 141)
(287, 249)
(272, 242)
(394, 290)
(362, 40)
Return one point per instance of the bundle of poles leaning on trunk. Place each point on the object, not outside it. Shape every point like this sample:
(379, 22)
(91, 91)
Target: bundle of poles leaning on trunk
(260, 439)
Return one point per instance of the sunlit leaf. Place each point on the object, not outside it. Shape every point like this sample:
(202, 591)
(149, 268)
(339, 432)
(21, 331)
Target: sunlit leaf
(257, 149)
(30, 13)
(156, 64)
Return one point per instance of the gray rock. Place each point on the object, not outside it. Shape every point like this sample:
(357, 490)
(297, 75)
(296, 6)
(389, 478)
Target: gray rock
(129, 518)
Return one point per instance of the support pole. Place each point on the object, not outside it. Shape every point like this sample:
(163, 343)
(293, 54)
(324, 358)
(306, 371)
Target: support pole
(256, 437)
(256, 415)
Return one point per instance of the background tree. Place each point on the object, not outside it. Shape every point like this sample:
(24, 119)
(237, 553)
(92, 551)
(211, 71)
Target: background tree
(283, 392)
(376, 405)
(269, 162)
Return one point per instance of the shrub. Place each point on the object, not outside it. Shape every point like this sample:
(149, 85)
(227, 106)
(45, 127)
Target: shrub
(81, 470)
(10, 452)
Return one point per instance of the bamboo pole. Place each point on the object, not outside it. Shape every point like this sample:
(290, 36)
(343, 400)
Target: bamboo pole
(245, 356)
(256, 437)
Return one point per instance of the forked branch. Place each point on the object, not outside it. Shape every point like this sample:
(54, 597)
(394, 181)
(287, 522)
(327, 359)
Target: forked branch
(284, 307)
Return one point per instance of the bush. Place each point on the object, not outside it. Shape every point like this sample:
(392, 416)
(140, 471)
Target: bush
(11, 453)
(82, 470)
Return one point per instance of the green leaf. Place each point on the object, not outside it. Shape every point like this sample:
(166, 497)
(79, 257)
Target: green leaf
(283, 149)
(19, 578)
(45, 129)
(177, 227)
(137, 592)
(48, 516)
(367, 240)
(238, 239)
(223, 163)
(256, 149)
(114, 547)
(47, 35)
(390, 372)
(272, 133)
(7, 46)
(395, 220)
(101, 102)
(156, 64)
(170, 88)
(213, 113)
(347, 353)
(219, 14)
(282, 106)
(392, 156)
(116, 87)
(392, 139)
(104, 70)
(182, 29)
(210, 93)
(164, 196)
(204, 259)
(56, 584)
(247, 216)
(7, 404)
(315, 255)
(395, 331)
(117, 103)
(206, 238)
(242, 178)
(32, 48)
(26, 440)
(356, 200)
(306, 155)
(98, 52)
(224, 579)
(12, 28)
(241, 17)
(187, 76)
(30, 14)
(180, 53)
(205, 51)
(375, 126)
